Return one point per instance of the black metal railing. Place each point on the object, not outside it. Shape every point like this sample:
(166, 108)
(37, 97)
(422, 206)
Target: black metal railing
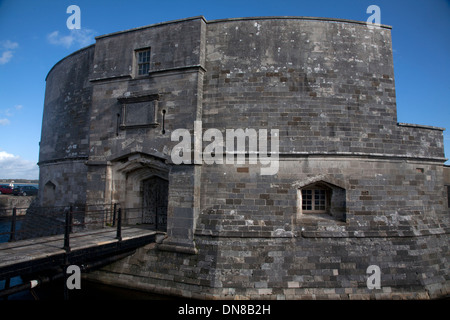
(69, 223)
(69, 220)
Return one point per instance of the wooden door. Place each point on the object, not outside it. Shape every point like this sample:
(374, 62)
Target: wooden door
(155, 193)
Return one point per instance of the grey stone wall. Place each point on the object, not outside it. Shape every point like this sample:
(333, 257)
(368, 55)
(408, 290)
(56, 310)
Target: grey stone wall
(65, 124)
(289, 268)
(383, 197)
(174, 84)
(64, 144)
(68, 181)
(328, 87)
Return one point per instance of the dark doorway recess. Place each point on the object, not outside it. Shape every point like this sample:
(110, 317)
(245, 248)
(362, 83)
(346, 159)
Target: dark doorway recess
(155, 198)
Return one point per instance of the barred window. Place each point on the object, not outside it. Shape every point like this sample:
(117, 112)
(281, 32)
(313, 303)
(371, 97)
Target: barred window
(320, 199)
(314, 200)
(143, 61)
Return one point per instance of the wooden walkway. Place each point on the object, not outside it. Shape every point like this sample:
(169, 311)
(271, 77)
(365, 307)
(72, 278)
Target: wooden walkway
(36, 255)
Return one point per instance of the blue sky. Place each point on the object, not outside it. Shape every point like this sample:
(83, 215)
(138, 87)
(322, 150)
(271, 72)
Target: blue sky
(34, 36)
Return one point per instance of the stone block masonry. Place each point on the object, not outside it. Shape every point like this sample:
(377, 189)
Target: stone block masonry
(354, 186)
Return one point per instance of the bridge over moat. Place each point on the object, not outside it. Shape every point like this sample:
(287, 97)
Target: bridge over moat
(46, 258)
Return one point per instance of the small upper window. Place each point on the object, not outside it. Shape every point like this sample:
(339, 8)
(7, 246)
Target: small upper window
(143, 61)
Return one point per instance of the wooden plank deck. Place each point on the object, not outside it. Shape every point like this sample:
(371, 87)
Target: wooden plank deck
(34, 255)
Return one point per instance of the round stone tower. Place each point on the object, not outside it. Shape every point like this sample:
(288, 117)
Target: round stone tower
(275, 145)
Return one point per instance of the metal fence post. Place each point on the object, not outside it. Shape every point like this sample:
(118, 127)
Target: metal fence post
(119, 224)
(114, 214)
(70, 218)
(67, 232)
(12, 236)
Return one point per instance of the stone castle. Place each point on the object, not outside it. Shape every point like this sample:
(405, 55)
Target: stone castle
(353, 187)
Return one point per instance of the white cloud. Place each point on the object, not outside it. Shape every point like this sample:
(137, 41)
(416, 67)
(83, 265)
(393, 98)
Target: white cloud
(4, 122)
(55, 38)
(79, 37)
(6, 57)
(7, 47)
(8, 113)
(5, 155)
(14, 167)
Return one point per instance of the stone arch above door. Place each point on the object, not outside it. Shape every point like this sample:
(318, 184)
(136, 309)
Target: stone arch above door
(130, 173)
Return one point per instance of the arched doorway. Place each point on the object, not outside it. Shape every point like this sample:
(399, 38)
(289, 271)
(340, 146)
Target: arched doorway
(140, 184)
(49, 195)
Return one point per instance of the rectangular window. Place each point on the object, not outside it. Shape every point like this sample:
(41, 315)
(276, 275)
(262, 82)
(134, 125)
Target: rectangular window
(314, 200)
(143, 61)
